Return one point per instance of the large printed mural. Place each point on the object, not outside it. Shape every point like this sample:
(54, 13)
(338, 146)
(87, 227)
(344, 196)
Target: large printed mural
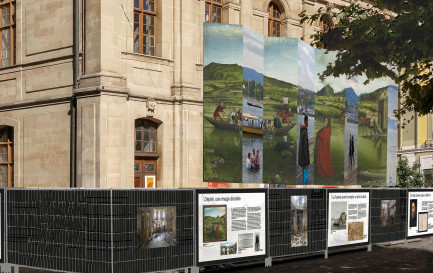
(268, 118)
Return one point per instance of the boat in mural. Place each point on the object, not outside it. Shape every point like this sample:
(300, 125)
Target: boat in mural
(235, 127)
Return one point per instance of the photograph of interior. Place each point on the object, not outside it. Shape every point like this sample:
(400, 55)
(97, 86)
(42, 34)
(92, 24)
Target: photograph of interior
(156, 227)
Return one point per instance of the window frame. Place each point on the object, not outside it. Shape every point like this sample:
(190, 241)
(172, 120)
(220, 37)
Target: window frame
(211, 4)
(272, 19)
(141, 13)
(10, 156)
(12, 31)
(143, 130)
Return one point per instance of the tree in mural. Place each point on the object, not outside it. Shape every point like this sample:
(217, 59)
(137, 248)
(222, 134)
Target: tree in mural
(387, 38)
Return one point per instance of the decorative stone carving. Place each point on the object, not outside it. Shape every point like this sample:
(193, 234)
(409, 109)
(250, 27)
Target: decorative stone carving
(151, 105)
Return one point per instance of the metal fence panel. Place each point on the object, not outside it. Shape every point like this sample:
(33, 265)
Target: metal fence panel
(281, 229)
(128, 257)
(388, 215)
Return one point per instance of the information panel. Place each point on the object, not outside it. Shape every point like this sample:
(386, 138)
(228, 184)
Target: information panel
(348, 218)
(420, 214)
(231, 225)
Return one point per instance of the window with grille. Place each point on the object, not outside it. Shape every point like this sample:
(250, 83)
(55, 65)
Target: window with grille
(144, 27)
(7, 28)
(6, 156)
(274, 22)
(213, 11)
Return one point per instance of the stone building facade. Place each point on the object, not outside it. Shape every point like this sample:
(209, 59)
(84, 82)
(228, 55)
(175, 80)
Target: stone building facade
(138, 95)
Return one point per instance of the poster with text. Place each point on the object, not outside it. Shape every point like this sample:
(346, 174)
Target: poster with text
(231, 225)
(348, 218)
(420, 214)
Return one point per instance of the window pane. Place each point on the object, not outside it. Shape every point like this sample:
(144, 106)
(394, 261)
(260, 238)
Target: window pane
(6, 50)
(214, 14)
(146, 136)
(154, 147)
(6, 15)
(150, 167)
(136, 168)
(136, 22)
(3, 177)
(148, 5)
(152, 136)
(150, 51)
(137, 4)
(146, 147)
(138, 146)
(148, 20)
(148, 29)
(137, 135)
(206, 13)
(136, 43)
(4, 153)
(3, 135)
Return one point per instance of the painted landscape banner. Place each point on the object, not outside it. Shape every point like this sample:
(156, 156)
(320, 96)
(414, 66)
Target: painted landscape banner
(269, 118)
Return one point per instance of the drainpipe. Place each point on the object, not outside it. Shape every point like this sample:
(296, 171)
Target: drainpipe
(76, 72)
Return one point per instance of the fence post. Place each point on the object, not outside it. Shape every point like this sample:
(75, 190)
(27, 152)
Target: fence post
(327, 216)
(369, 221)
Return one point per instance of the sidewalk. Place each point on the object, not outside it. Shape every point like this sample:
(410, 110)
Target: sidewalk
(417, 256)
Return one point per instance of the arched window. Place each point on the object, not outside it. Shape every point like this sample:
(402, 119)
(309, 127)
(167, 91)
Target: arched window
(144, 26)
(274, 22)
(146, 154)
(6, 156)
(213, 11)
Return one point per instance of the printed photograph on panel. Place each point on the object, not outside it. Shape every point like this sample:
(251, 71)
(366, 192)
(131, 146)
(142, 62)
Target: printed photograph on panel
(351, 138)
(372, 131)
(222, 102)
(252, 147)
(252, 107)
(214, 223)
(279, 113)
(338, 215)
(413, 213)
(422, 222)
(299, 221)
(305, 114)
(257, 241)
(329, 108)
(356, 231)
(228, 248)
(156, 227)
(388, 213)
(245, 240)
(391, 169)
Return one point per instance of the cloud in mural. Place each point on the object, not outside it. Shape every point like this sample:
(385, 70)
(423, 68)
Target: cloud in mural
(306, 62)
(253, 50)
(222, 44)
(281, 54)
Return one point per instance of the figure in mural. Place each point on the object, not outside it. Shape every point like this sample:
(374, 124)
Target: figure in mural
(413, 214)
(220, 108)
(351, 151)
(277, 122)
(248, 162)
(257, 162)
(303, 152)
(323, 150)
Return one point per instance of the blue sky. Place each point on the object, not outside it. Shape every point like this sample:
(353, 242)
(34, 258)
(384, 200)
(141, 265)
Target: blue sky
(306, 63)
(281, 59)
(222, 44)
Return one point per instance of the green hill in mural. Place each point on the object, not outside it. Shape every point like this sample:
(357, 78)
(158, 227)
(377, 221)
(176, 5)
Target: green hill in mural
(327, 90)
(226, 72)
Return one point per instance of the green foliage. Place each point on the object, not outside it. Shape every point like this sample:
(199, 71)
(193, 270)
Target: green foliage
(390, 38)
(409, 177)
